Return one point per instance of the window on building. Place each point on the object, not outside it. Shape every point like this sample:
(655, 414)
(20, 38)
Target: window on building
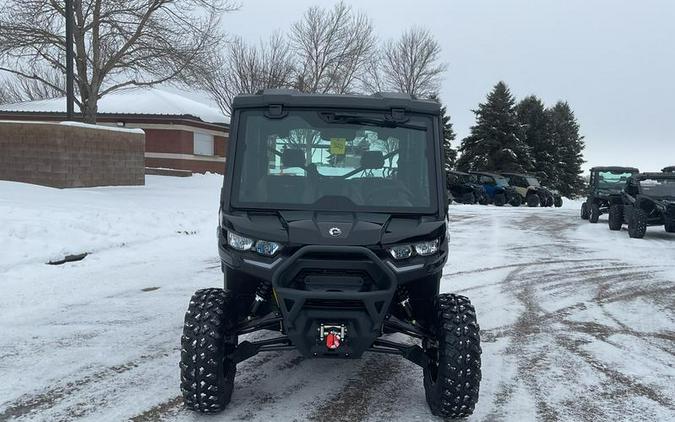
(203, 143)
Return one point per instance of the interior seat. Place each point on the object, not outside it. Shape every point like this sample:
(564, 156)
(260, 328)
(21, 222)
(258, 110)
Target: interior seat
(285, 188)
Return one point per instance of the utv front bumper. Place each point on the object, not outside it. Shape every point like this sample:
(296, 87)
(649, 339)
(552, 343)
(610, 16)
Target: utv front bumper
(333, 286)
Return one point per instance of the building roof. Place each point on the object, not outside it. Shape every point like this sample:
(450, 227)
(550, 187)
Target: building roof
(141, 101)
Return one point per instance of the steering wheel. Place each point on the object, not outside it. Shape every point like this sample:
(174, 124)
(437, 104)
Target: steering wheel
(391, 196)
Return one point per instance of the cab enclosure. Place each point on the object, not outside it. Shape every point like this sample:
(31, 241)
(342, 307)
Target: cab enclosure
(648, 199)
(604, 188)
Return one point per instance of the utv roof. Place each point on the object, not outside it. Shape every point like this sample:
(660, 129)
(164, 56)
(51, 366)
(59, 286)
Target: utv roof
(458, 172)
(517, 174)
(654, 175)
(669, 169)
(379, 101)
(616, 169)
(486, 173)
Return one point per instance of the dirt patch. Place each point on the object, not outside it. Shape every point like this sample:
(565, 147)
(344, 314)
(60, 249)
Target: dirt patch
(353, 402)
(160, 411)
(69, 258)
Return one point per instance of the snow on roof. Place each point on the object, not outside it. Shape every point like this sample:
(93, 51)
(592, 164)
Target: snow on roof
(133, 101)
(80, 124)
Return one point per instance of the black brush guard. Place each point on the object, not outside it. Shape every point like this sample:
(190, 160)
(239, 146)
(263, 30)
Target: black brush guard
(333, 285)
(337, 285)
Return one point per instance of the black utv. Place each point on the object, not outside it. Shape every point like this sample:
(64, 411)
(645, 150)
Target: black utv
(604, 189)
(465, 189)
(647, 200)
(332, 237)
(532, 192)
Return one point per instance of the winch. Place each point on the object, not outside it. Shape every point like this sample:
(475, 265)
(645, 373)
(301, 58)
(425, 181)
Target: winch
(332, 335)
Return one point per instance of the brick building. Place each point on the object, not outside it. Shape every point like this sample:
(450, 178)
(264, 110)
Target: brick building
(180, 133)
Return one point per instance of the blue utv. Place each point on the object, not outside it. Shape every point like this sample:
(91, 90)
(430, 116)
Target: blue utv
(497, 189)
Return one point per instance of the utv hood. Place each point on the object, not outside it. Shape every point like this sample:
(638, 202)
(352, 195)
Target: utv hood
(324, 228)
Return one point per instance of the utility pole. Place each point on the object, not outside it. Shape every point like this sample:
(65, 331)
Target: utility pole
(70, 88)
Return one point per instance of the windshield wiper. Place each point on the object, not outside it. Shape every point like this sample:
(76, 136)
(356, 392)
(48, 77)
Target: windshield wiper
(368, 121)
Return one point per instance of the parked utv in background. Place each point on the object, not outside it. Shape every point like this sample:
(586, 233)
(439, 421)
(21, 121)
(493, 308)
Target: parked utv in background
(604, 189)
(647, 200)
(531, 191)
(497, 189)
(670, 169)
(332, 235)
(465, 189)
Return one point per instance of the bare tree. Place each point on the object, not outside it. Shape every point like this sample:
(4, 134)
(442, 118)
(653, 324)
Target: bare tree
(7, 96)
(17, 89)
(118, 43)
(333, 47)
(411, 64)
(371, 80)
(246, 69)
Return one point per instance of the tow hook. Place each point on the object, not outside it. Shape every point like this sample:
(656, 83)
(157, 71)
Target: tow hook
(332, 335)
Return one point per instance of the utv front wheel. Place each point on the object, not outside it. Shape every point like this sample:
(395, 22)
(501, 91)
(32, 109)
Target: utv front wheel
(549, 201)
(558, 202)
(637, 226)
(469, 198)
(615, 217)
(532, 200)
(670, 227)
(585, 214)
(452, 375)
(516, 201)
(595, 213)
(206, 371)
(500, 199)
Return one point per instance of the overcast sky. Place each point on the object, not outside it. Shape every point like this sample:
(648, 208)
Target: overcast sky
(612, 60)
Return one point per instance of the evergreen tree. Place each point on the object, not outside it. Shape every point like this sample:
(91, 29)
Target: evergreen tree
(449, 153)
(569, 144)
(534, 120)
(496, 140)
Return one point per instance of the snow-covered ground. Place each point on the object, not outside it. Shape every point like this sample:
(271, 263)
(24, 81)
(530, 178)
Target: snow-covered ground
(577, 321)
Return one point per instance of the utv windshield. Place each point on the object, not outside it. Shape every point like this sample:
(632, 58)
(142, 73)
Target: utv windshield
(334, 161)
(532, 181)
(662, 188)
(608, 180)
(502, 181)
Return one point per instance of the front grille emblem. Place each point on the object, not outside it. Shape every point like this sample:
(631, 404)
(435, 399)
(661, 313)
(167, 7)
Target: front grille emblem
(334, 231)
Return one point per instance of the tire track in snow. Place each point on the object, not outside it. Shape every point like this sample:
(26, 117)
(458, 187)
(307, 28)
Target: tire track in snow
(525, 282)
(354, 401)
(51, 396)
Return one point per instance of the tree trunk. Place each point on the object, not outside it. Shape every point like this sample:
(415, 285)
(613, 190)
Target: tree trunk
(89, 110)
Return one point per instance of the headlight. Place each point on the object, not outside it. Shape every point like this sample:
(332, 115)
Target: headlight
(239, 243)
(401, 252)
(263, 247)
(426, 248)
